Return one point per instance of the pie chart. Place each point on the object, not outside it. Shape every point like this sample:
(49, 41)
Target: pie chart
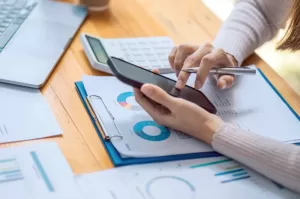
(126, 100)
(149, 130)
(170, 187)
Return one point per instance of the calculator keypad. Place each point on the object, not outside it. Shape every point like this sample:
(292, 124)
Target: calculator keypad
(145, 52)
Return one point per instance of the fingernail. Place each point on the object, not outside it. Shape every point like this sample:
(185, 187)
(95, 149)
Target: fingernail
(147, 90)
(179, 83)
(197, 84)
(224, 86)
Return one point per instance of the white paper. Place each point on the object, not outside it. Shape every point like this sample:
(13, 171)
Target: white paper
(254, 106)
(201, 184)
(25, 115)
(36, 171)
(104, 185)
(128, 120)
(251, 104)
(198, 178)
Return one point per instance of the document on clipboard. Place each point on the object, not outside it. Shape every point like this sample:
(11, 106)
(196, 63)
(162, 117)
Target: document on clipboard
(134, 133)
(129, 128)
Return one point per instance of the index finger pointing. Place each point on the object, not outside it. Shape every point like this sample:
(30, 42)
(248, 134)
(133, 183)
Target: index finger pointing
(192, 61)
(172, 57)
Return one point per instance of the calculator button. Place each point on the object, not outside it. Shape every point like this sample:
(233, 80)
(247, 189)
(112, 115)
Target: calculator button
(128, 58)
(145, 48)
(137, 54)
(166, 63)
(111, 43)
(153, 41)
(147, 51)
(163, 50)
(140, 58)
(150, 57)
(142, 63)
(163, 57)
(131, 43)
(142, 44)
(133, 49)
(124, 43)
(156, 66)
(160, 54)
(154, 62)
(166, 41)
(124, 47)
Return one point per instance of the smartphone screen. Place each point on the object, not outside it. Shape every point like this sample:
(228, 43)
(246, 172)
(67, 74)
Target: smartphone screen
(137, 75)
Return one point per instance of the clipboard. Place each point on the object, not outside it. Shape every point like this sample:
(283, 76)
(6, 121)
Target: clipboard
(98, 120)
(116, 157)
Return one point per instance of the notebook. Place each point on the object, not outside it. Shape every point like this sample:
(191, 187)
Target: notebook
(132, 137)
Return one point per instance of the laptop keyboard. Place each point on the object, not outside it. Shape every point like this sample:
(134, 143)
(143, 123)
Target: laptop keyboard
(12, 15)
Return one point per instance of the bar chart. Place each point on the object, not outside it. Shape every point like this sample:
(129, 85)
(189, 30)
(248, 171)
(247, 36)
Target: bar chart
(226, 170)
(10, 170)
(42, 171)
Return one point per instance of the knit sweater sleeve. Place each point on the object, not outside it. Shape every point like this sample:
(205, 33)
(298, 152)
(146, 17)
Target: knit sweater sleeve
(250, 24)
(278, 161)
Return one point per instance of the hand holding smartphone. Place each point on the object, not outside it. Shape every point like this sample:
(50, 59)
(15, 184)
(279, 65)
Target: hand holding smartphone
(136, 76)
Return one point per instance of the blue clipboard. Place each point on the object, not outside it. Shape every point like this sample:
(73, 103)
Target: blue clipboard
(115, 156)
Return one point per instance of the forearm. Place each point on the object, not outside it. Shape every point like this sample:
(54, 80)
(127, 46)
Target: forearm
(275, 160)
(250, 24)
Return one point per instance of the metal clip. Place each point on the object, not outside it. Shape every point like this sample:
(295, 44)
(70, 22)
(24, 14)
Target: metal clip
(99, 120)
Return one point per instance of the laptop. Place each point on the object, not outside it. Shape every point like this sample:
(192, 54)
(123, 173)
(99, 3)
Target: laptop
(33, 36)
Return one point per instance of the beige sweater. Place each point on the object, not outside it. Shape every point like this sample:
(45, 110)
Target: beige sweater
(251, 23)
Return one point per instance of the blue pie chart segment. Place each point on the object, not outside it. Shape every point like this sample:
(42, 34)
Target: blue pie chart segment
(138, 128)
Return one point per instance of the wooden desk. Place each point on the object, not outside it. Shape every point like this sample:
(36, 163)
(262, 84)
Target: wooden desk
(184, 21)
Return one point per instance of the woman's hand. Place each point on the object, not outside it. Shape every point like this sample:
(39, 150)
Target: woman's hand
(205, 57)
(176, 113)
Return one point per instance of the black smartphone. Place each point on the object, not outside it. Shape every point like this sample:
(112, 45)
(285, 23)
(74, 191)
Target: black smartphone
(136, 76)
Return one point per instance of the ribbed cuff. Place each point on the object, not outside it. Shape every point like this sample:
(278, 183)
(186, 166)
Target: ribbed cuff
(277, 161)
(238, 46)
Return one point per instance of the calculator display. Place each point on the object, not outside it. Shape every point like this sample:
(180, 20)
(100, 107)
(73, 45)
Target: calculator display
(98, 49)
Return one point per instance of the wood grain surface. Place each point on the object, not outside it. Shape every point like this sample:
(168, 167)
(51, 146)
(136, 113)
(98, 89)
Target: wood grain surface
(188, 21)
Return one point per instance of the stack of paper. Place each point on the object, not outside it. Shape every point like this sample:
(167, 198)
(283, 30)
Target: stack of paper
(40, 171)
(198, 178)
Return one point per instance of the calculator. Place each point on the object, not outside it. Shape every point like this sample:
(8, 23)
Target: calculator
(147, 52)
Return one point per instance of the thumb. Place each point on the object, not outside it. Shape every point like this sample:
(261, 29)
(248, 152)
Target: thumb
(158, 95)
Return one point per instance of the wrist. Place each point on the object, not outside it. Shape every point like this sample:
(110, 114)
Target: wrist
(211, 127)
(232, 59)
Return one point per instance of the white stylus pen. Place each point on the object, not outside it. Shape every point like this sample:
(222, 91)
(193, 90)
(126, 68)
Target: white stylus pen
(224, 71)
